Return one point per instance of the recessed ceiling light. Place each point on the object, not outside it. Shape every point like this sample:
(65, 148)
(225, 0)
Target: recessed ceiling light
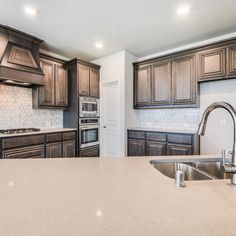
(183, 10)
(30, 10)
(99, 45)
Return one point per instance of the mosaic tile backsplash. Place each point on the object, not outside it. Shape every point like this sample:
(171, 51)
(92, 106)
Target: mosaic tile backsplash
(16, 110)
(183, 119)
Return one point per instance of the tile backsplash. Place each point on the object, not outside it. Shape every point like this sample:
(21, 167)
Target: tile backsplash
(186, 118)
(16, 110)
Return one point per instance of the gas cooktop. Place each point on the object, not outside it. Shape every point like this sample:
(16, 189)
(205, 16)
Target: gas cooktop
(19, 131)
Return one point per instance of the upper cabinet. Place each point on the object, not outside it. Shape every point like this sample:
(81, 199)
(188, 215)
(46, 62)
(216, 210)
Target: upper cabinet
(54, 94)
(88, 81)
(142, 86)
(184, 80)
(212, 64)
(166, 83)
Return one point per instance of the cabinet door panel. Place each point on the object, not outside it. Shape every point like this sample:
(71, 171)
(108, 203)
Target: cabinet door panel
(94, 83)
(161, 83)
(136, 147)
(54, 150)
(83, 85)
(142, 86)
(231, 60)
(47, 92)
(184, 80)
(174, 149)
(212, 64)
(61, 86)
(69, 148)
(90, 152)
(25, 152)
(155, 149)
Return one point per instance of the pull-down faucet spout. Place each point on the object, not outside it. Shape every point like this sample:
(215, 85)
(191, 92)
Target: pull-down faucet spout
(202, 127)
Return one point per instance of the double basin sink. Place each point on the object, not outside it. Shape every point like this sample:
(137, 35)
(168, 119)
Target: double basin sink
(208, 169)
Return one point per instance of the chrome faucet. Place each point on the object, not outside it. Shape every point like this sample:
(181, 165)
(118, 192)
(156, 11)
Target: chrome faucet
(228, 168)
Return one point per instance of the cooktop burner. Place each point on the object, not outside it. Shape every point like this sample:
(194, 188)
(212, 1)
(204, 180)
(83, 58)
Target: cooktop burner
(18, 131)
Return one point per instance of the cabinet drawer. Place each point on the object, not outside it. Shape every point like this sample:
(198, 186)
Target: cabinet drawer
(136, 134)
(179, 138)
(28, 152)
(90, 152)
(55, 137)
(69, 135)
(161, 137)
(22, 141)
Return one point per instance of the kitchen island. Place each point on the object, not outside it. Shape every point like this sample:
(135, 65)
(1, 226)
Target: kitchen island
(109, 196)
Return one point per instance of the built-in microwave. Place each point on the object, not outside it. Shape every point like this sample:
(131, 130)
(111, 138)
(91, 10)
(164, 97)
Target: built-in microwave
(88, 107)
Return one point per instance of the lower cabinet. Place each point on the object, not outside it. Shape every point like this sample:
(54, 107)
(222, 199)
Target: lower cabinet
(69, 148)
(54, 150)
(89, 152)
(150, 143)
(174, 149)
(50, 145)
(136, 147)
(155, 149)
(25, 152)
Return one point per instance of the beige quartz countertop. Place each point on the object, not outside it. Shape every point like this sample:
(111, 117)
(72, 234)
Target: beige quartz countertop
(109, 196)
(168, 130)
(42, 131)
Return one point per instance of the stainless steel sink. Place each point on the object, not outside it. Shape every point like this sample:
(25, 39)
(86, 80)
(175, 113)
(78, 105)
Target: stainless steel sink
(200, 170)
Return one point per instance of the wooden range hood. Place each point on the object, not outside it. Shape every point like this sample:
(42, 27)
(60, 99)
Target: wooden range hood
(19, 58)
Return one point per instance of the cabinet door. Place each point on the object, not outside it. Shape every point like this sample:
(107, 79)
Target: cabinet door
(161, 83)
(94, 83)
(61, 81)
(184, 80)
(54, 150)
(231, 60)
(175, 149)
(155, 149)
(136, 147)
(212, 64)
(47, 92)
(69, 148)
(83, 84)
(90, 152)
(25, 152)
(142, 89)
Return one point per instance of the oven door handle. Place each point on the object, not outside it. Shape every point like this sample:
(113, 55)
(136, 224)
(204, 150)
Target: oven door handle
(89, 127)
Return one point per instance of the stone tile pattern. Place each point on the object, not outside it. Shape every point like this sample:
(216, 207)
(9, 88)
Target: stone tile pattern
(16, 110)
(181, 118)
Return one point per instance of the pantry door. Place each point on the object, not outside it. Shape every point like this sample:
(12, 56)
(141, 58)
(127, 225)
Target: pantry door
(111, 119)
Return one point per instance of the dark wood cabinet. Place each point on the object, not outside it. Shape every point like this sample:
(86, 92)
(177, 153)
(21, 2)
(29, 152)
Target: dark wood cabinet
(54, 94)
(151, 143)
(50, 145)
(155, 148)
(184, 80)
(231, 58)
(61, 85)
(54, 150)
(177, 149)
(88, 81)
(25, 152)
(94, 83)
(136, 147)
(212, 64)
(161, 88)
(142, 86)
(168, 82)
(89, 152)
(69, 148)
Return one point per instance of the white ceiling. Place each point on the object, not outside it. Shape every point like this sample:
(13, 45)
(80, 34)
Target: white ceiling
(141, 27)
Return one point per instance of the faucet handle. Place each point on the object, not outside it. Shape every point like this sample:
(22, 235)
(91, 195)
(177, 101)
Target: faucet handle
(224, 158)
